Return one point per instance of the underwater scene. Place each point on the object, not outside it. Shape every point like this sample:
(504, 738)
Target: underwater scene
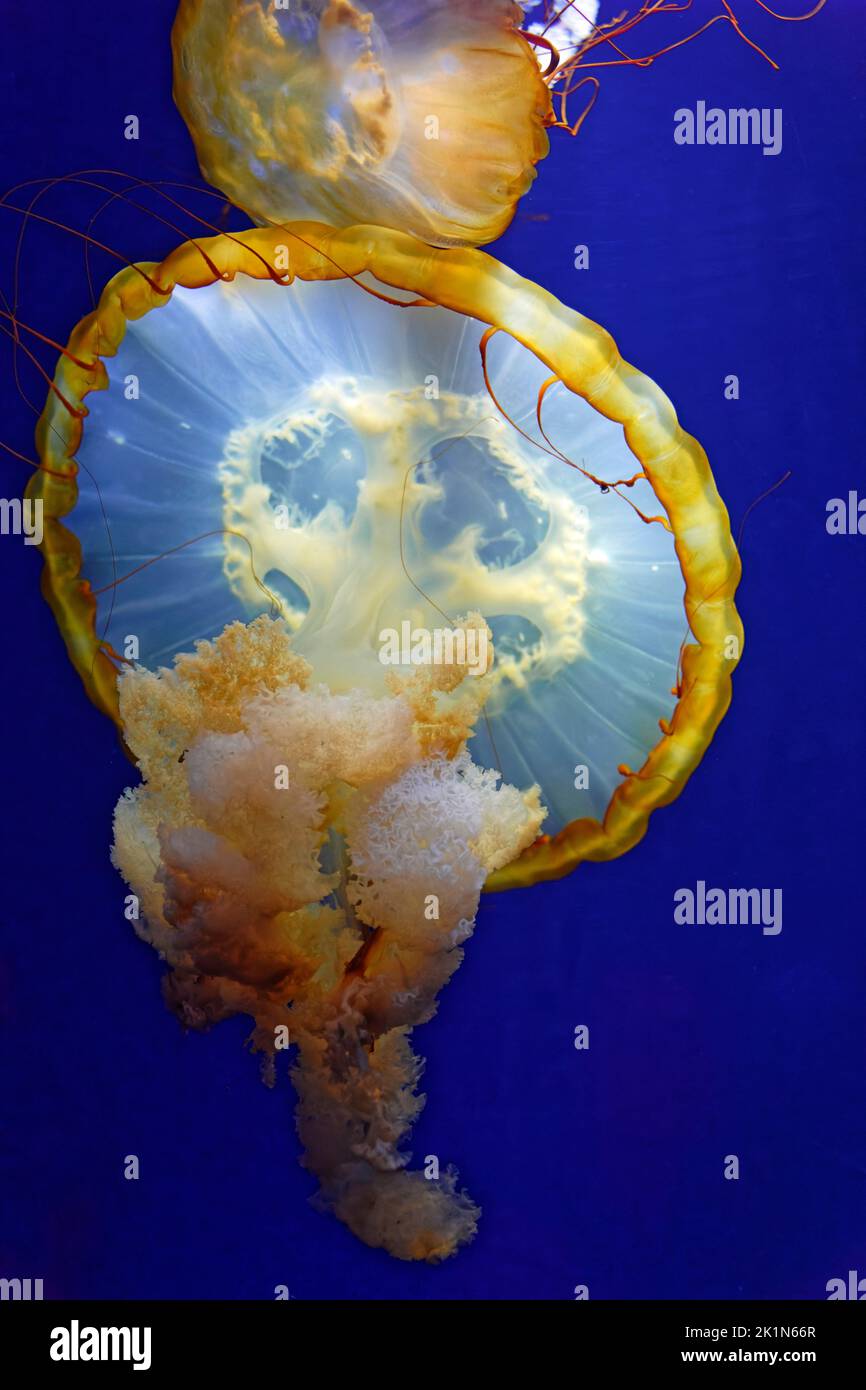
(434, 550)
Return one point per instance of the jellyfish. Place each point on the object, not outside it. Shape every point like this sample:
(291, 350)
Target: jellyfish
(400, 585)
(427, 117)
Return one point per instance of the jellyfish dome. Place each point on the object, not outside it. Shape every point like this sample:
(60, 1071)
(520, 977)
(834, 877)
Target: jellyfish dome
(414, 587)
(424, 115)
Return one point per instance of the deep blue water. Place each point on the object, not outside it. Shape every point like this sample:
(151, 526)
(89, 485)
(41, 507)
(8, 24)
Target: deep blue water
(603, 1167)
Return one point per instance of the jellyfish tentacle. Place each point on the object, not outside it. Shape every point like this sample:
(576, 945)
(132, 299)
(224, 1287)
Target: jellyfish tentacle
(571, 86)
(550, 448)
(607, 34)
(272, 598)
(156, 186)
(539, 41)
(19, 325)
(77, 412)
(793, 18)
(73, 231)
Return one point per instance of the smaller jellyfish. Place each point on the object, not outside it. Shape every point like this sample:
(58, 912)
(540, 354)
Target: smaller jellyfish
(415, 588)
(424, 116)
(413, 114)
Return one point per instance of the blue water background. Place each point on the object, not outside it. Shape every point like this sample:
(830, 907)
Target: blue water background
(602, 1167)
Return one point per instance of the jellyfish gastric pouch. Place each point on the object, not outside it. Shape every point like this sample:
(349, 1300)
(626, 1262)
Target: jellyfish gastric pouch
(399, 584)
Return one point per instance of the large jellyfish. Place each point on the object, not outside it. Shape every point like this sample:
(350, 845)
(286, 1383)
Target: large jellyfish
(425, 115)
(399, 582)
